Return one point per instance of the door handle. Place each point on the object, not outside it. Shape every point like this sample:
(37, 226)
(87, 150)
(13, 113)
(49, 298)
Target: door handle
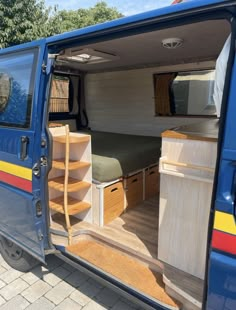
(24, 141)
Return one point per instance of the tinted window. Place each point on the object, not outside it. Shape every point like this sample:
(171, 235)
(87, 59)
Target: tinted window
(185, 93)
(193, 93)
(17, 73)
(59, 99)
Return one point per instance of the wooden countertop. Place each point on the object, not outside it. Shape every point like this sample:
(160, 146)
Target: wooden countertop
(202, 131)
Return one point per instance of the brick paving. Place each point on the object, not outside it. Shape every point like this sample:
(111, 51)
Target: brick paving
(57, 286)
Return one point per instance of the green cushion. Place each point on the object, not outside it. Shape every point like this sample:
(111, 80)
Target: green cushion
(115, 155)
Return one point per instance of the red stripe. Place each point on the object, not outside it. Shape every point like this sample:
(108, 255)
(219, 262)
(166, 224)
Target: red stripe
(13, 180)
(176, 1)
(224, 242)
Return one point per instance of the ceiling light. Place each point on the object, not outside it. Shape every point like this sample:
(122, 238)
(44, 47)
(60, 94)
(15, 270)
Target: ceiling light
(172, 43)
(88, 56)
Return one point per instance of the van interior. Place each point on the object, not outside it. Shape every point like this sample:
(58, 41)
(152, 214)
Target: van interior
(134, 132)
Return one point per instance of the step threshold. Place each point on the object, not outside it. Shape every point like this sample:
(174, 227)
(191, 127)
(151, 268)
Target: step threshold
(125, 268)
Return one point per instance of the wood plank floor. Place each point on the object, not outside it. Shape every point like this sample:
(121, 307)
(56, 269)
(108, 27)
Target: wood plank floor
(184, 283)
(137, 228)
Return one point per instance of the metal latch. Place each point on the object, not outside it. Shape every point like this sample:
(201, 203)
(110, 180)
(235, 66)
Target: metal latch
(43, 161)
(38, 207)
(40, 235)
(36, 170)
(44, 67)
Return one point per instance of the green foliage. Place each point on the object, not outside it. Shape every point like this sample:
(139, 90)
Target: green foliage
(26, 20)
(69, 20)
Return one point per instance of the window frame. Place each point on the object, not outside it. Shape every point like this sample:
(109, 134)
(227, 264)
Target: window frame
(31, 93)
(180, 115)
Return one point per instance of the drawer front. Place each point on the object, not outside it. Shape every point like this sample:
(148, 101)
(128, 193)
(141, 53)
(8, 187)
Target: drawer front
(113, 201)
(134, 190)
(152, 182)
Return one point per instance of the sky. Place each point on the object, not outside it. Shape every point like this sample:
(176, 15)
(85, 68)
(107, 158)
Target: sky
(126, 7)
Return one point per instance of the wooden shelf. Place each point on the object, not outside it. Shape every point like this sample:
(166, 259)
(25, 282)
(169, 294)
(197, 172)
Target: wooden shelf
(72, 139)
(73, 164)
(74, 185)
(68, 158)
(74, 206)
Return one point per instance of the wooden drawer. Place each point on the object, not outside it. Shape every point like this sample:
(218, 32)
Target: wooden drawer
(113, 201)
(152, 182)
(134, 189)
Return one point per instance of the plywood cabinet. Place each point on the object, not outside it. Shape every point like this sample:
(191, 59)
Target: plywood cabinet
(186, 181)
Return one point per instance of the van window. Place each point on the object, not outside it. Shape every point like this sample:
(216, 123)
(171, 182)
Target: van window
(185, 93)
(17, 74)
(59, 99)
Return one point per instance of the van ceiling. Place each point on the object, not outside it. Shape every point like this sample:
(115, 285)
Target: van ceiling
(201, 41)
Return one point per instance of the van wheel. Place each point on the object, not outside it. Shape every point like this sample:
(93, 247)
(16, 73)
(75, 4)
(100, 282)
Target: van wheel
(15, 256)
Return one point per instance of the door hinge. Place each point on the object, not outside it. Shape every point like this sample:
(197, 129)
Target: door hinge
(38, 207)
(51, 251)
(43, 161)
(40, 235)
(36, 170)
(43, 142)
(44, 67)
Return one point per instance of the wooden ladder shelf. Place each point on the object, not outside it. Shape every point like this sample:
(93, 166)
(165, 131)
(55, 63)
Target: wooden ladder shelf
(66, 203)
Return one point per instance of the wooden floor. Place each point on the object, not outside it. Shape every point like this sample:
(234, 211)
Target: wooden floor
(184, 285)
(130, 271)
(136, 229)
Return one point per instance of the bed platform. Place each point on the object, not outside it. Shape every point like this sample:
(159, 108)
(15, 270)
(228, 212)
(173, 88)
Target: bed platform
(116, 155)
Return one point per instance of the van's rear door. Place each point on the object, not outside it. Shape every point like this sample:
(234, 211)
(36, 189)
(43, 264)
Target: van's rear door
(22, 79)
(221, 282)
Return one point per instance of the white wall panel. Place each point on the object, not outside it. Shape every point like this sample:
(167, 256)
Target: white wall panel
(123, 101)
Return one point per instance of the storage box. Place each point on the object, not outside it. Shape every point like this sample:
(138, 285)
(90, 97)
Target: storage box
(152, 181)
(108, 202)
(113, 201)
(134, 189)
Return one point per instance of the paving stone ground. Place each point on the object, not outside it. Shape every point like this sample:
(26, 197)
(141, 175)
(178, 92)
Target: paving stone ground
(57, 286)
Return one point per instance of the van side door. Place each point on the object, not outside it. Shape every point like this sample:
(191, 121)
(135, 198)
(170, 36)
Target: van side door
(221, 281)
(22, 80)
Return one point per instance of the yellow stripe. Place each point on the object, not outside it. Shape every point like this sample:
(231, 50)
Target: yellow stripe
(16, 170)
(225, 222)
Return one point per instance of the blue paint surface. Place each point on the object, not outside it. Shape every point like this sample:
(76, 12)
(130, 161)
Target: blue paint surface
(17, 208)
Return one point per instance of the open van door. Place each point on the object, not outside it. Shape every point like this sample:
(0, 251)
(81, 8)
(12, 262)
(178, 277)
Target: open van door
(22, 90)
(221, 281)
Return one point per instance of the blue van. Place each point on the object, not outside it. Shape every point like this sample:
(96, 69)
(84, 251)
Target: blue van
(118, 152)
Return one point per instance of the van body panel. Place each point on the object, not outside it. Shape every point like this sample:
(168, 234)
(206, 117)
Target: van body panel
(23, 179)
(123, 24)
(221, 283)
(20, 150)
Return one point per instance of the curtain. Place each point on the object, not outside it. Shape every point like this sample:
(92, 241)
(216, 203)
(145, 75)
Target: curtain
(163, 84)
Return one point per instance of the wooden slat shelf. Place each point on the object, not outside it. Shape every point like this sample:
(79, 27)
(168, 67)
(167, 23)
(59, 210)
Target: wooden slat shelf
(74, 185)
(74, 206)
(73, 164)
(72, 139)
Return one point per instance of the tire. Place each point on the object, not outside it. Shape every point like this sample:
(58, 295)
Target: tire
(15, 256)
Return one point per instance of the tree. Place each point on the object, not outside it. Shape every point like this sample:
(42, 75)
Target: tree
(26, 20)
(69, 20)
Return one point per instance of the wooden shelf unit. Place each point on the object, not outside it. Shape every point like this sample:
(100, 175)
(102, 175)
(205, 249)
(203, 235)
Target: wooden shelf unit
(73, 164)
(74, 206)
(72, 186)
(71, 174)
